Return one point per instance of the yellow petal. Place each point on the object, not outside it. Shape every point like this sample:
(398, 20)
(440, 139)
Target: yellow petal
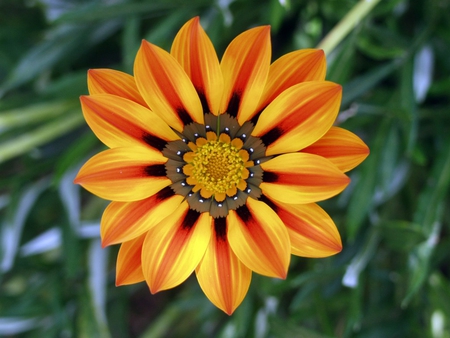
(119, 122)
(293, 68)
(194, 51)
(298, 117)
(222, 276)
(128, 266)
(173, 249)
(340, 146)
(123, 221)
(300, 178)
(166, 87)
(259, 239)
(109, 81)
(312, 232)
(245, 67)
(124, 174)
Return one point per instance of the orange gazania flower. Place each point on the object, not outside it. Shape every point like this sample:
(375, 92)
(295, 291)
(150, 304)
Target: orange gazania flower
(216, 167)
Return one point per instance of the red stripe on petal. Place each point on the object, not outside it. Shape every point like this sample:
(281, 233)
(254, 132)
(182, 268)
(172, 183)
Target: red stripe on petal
(174, 248)
(311, 230)
(166, 87)
(291, 69)
(245, 67)
(109, 81)
(259, 239)
(119, 122)
(124, 174)
(340, 146)
(122, 221)
(223, 278)
(305, 179)
(298, 117)
(128, 266)
(300, 178)
(195, 52)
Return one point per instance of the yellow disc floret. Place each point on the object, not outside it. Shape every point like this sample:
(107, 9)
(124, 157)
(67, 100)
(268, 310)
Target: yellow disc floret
(216, 167)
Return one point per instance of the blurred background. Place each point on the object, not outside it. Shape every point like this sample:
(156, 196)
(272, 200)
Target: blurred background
(392, 278)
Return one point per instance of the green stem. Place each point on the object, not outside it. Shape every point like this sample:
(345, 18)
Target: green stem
(340, 31)
(39, 136)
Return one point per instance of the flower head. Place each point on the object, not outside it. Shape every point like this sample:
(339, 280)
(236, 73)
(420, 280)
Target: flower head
(216, 167)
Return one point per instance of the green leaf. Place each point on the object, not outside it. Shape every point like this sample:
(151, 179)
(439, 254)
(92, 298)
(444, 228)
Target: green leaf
(41, 135)
(429, 215)
(281, 328)
(401, 235)
(362, 200)
(32, 114)
(61, 46)
(363, 83)
(12, 227)
(96, 11)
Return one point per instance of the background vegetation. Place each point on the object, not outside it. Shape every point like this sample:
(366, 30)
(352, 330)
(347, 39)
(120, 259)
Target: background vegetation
(392, 278)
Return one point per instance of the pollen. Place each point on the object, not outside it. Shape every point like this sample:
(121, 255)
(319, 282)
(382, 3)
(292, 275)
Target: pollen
(216, 166)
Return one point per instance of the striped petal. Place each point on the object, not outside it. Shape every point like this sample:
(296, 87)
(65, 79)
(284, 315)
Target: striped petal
(174, 248)
(340, 146)
(299, 116)
(245, 67)
(300, 178)
(293, 68)
(166, 87)
(110, 81)
(128, 266)
(259, 239)
(123, 221)
(311, 231)
(119, 122)
(124, 174)
(194, 51)
(222, 276)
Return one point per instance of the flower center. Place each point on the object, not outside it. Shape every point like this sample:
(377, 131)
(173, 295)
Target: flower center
(216, 166)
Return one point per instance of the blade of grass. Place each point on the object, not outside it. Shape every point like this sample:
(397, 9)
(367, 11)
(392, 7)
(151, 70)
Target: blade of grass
(340, 31)
(47, 132)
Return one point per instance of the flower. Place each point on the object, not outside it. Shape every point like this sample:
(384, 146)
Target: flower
(216, 167)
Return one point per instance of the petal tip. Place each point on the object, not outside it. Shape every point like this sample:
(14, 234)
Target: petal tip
(153, 290)
(77, 180)
(105, 241)
(84, 99)
(229, 312)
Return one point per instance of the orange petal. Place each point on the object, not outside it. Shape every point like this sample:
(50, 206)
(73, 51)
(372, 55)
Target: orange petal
(293, 68)
(119, 122)
(109, 81)
(245, 67)
(222, 276)
(124, 174)
(128, 266)
(259, 239)
(122, 221)
(312, 232)
(173, 248)
(300, 178)
(194, 51)
(298, 117)
(343, 148)
(166, 87)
